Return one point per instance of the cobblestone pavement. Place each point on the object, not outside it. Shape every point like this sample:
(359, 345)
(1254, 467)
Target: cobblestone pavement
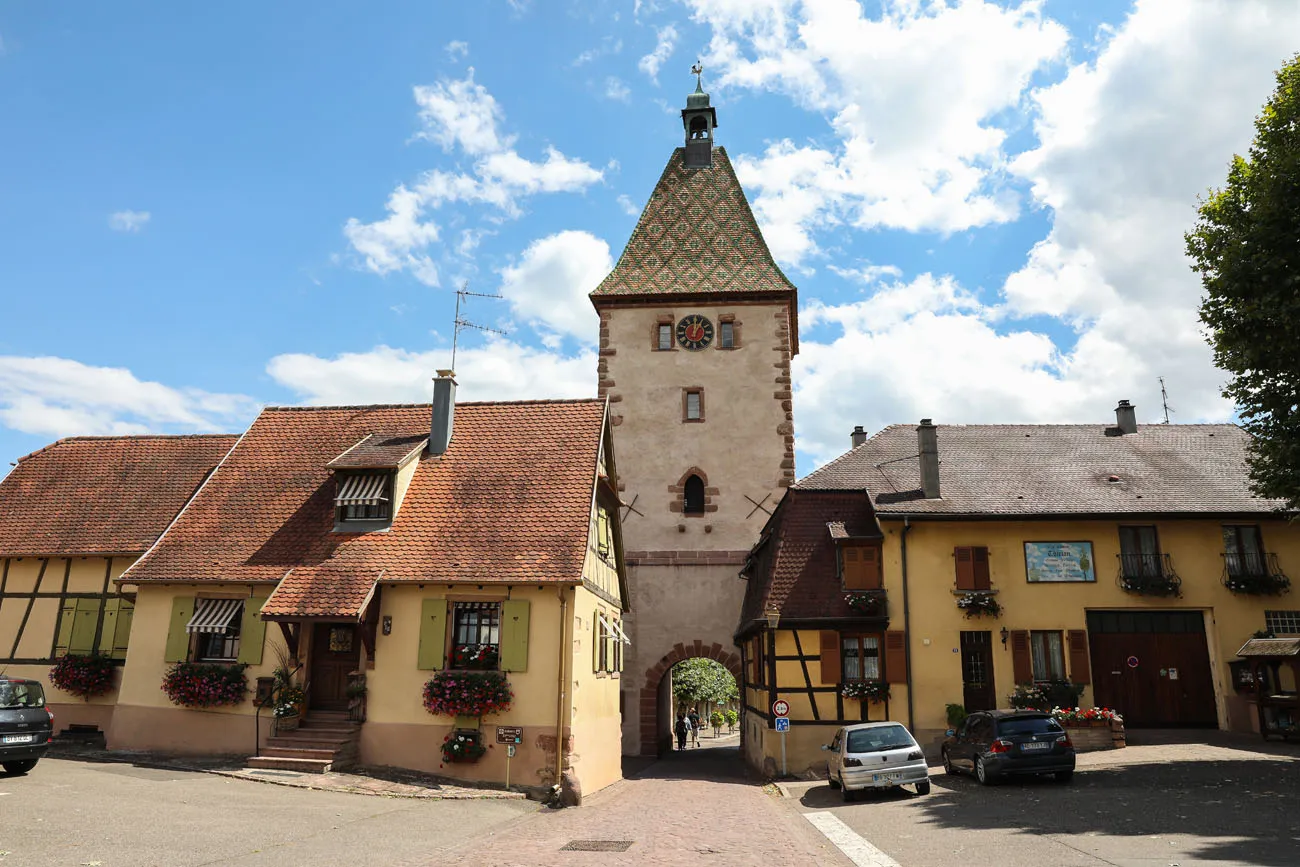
(690, 808)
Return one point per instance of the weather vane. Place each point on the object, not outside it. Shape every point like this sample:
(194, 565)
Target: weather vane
(698, 71)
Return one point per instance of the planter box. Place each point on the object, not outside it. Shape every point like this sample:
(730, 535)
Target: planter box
(286, 723)
(1095, 735)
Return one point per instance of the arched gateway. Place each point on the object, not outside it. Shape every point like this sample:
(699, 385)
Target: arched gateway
(697, 329)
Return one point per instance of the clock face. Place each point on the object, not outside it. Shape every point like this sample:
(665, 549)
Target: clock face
(694, 332)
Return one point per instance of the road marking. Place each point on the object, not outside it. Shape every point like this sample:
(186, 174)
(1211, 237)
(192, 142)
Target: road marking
(848, 841)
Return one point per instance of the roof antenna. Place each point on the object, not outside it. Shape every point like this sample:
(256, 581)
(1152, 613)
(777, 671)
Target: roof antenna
(462, 295)
(1164, 398)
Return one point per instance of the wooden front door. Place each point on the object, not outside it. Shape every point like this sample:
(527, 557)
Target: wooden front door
(977, 671)
(1153, 667)
(335, 653)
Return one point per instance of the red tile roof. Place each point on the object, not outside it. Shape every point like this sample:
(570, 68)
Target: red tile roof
(795, 567)
(102, 495)
(380, 451)
(322, 591)
(510, 500)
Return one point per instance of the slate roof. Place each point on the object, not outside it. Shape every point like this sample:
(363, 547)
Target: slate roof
(509, 501)
(696, 235)
(1053, 470)
(102, 495)
(322, 591)
(794, 567)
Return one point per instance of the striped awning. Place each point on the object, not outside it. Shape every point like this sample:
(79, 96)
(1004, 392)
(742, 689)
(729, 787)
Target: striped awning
(214, 615)
(362, 490)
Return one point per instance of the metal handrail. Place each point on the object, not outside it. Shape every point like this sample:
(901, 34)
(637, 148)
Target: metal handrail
(1148, 574)
(1254, 572)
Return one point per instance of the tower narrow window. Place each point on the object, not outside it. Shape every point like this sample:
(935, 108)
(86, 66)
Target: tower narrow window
(727, 335)
(693, 404)
(665, 337)
(693, 496)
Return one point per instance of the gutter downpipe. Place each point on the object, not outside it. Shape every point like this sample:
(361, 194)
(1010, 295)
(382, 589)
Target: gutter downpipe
(907, 622)
(559, 692)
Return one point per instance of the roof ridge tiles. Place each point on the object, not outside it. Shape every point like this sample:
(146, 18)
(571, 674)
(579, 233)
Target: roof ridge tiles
(459, 403)
(121, 438)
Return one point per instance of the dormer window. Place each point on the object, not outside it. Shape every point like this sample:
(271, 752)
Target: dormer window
(364, 497)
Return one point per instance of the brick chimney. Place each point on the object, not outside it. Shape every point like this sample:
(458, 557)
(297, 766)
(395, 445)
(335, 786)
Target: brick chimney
(858, 437)
(1126, 418)
(927, 438)
(444, 407)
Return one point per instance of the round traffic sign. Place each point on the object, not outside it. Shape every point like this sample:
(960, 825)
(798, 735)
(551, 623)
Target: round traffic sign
(1132, 662)
(780, 707)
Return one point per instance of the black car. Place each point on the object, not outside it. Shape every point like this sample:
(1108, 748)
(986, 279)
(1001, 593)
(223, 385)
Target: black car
(997, 743)
(26, 724)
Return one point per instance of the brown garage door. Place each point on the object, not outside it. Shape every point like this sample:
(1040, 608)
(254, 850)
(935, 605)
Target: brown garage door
(1153, 667)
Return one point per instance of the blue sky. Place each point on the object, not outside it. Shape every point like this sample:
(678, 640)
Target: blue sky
(205, 209)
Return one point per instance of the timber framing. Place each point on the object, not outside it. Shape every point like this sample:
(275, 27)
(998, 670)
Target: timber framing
(28, 599)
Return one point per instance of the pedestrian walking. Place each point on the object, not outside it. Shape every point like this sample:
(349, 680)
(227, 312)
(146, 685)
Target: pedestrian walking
(694, 719)
(682, 729)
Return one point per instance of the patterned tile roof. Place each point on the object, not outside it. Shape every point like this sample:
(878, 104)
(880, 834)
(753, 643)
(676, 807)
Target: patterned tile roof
(697, 234)
(509, 501)
(322, 591)
(1054, 469)
(795, 567)
(102, 495)
(380, 451)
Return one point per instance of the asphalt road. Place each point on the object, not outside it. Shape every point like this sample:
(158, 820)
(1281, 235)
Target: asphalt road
(1146, 806)
(68, 812)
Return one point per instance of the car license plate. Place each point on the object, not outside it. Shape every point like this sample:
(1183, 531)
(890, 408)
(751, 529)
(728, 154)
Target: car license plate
(884, 778)
(1036, 746)
(16, 739)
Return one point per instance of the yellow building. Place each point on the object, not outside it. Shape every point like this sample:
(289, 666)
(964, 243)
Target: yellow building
(73, 516)
(366, 552)
(956, 563)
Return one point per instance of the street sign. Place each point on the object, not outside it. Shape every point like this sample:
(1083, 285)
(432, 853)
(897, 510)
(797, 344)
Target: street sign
(780, 707)
(510, 751)
(783, 724)
(510, 734)
(1132, 662)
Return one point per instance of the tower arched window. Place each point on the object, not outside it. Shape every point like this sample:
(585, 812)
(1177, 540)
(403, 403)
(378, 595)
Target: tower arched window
(699, 128)
(693, 496)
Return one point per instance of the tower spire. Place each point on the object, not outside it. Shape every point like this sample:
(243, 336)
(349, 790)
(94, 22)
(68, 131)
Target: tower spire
(699, 119)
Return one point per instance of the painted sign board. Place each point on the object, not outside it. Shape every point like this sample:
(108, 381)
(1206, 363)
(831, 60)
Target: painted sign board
(780, 707)
(783, 724)
(510, 734)
(1055, 562)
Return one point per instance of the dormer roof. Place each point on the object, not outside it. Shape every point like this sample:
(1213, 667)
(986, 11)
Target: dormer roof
(381, 451)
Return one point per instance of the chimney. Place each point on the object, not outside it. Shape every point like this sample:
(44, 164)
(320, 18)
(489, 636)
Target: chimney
(444, 406)
(927, 438)
(858, 437)
(1126, 418)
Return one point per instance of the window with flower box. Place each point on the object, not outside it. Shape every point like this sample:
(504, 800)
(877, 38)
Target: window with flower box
(860, 657)
(476, 636)
(1047, 656)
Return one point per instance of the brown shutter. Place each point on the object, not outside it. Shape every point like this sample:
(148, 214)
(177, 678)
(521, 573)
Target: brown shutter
(1022, 666)
(980, 568)
(1079, 672)
(830, 654)
(896, 656)
(965, 568)
(871, 568)
(851, 568)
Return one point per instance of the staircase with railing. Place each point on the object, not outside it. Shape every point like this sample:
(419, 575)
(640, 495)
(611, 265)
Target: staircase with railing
(325, 740)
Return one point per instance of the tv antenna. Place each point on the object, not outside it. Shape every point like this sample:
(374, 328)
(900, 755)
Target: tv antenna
(462, 296)
(1164, 398)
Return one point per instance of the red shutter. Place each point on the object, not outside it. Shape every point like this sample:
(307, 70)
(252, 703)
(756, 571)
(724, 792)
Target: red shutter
(1022, 666)
(980, 568)
(872, 573)
(830, 657)
(965, 568)
(1079, 672)
(896, 656)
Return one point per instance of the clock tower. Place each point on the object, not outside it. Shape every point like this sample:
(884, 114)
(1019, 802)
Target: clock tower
(697, 329)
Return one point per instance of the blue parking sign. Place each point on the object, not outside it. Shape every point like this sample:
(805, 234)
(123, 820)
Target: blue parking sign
(782, 724)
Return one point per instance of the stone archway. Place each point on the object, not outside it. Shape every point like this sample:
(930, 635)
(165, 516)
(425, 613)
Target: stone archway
(653, 715)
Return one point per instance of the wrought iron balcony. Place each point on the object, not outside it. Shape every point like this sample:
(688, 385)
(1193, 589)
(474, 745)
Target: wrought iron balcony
(1149, 575)
(1254, 572)
(868, 603)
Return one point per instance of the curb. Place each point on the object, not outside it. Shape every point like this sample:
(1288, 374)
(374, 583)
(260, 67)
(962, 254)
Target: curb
(352, 790)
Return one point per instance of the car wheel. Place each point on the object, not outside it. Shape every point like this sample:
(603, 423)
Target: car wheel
(923, 787)
(1063, 776)
(845, 793)
(982, 773)
(947, 764)
(830, 778)
(20, 767)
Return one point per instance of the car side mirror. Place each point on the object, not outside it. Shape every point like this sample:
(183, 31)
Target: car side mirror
(950, 732)
(826, 746)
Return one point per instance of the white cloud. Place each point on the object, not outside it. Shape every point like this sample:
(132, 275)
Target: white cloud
(550, 283)
(629, 207)
(650, 64)
(391, 244)
(456, 49)
(461, 113)
(616, 89)
(497, 370)
(52, 396)
(128, 221)
(608, 45)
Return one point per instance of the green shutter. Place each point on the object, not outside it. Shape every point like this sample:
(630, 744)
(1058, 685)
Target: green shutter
(109, 628)
(66, 617)
(595, 643)
(178, 640)
(122, 631)
(252, 632)
(433, 634)
(83, 626)
(514, 635)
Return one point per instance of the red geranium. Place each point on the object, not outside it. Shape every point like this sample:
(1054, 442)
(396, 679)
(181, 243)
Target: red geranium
(458, 693)
(84, 676)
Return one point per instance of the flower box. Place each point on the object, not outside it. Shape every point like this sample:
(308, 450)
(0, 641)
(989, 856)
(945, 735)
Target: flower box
(467, 693)
(205, 684)
(462, 746)
(287, 723)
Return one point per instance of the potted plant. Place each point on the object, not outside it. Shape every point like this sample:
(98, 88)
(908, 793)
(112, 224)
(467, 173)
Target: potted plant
(468, 694)
(874, 691)
(868, 604)
(956, 715)
(205, 684)
(83, 676)
(977, 604)
(732, 719)
(463, 745)
(716, 719)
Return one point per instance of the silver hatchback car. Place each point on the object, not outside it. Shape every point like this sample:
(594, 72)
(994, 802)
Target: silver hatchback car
(875, 755)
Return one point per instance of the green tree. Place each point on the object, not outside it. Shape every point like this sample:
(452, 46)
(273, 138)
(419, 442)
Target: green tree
(699, 680)
(1246, 247)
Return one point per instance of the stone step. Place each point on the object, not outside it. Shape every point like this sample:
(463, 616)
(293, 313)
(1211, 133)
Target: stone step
(294, 739)
(331, 714)
(328, 755)
(306, 766)
(308, 725)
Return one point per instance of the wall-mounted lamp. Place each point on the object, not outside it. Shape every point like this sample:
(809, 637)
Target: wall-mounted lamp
(773, 616)
(1004, 635)
(387, 627)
